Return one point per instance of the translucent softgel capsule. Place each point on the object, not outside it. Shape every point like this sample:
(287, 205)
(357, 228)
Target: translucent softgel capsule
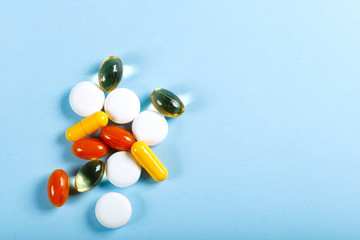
(167, 103)
(89, 175)
(87, 126)
(110, 73)
(149, 161)
(58, 187)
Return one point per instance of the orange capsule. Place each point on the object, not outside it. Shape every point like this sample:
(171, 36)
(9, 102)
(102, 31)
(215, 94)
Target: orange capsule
(58, 187)
(89, 148)
(117, 138)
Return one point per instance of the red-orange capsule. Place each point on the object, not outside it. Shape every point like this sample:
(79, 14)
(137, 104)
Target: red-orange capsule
(58, 188)
(89, 148)
(117, 138)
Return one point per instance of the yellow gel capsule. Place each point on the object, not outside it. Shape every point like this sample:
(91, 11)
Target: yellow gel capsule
(87, 126)
(149, 161)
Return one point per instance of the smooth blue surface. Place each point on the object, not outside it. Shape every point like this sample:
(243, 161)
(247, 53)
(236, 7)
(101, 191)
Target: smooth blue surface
(268, 147)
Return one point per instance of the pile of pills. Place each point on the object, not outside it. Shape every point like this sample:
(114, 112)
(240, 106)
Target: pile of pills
(123, 168)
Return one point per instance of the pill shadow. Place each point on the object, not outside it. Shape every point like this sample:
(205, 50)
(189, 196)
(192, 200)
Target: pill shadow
(72, 190)
(132, 58)
(127, 126)
(170, 157)
(67, 154)
(106, 185)
(139, 210)
(146, 102)
(66, 108)
(170, 120)
(93, 222)
(94, 68)
(146, 178)
(74, 195)
(42, 198)
(134, 61)
(173, 164)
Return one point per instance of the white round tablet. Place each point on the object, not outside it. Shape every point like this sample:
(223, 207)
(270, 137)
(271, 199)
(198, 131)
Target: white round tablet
(150, 127)
(86, 98)
(113, 210)
(122, 105)
(122, 170)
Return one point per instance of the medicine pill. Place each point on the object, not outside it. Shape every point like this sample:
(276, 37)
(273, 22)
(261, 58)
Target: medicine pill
(149, 161)
(86, 98)
(167, 103)
(110, 73)
(117, 138)
(89, 175)
(113, 210)
(89, 148)
(122, 170)
(150, 127)
(87, 126)
(122, 105)
(58, 187)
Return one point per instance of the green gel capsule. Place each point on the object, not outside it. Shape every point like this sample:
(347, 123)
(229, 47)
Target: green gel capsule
(89, 175)
(167, 103)
(110, 73)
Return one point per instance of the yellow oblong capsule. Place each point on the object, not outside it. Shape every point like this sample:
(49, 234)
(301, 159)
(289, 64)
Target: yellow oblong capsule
(149, 161)
(87, 126)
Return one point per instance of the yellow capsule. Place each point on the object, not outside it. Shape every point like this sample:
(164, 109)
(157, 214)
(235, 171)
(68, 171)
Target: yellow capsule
(149, 161)
(87, 126)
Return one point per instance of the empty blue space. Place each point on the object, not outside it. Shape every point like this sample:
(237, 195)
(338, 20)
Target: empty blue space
(268, 145)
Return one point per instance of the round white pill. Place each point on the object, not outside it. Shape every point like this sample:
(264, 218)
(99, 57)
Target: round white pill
(122, 170)
(122, 105)
(150, 127)
(86, 98)
(113, 210)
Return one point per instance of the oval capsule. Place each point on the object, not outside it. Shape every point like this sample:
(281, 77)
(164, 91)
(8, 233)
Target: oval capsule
(89, 148)
(149, 161)
(87, 126)
(110, 73)
(167, 103)
(89, 175)
(58, 187)
(117, 138)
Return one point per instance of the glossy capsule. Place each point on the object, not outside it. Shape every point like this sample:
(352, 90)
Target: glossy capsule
(58, 187)
(149, 161)
(89, 148)
(167, 103)
(89, 175)
(110, 73)
(117, 138)
(87, 126)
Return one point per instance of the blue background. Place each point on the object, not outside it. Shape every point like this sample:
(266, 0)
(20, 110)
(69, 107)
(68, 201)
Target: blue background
(268, 147)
